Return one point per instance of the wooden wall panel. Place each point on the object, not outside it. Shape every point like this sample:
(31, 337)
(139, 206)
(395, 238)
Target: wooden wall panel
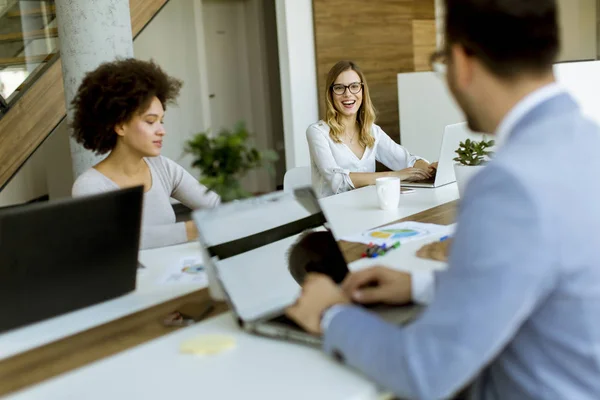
(423, 9)
(384, 37)
(423, 43)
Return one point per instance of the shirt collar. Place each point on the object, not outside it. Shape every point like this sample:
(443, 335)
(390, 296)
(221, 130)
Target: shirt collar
(523, 107)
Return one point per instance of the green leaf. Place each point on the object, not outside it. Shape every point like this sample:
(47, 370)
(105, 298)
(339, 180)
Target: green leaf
(224, 159)
(472, 152)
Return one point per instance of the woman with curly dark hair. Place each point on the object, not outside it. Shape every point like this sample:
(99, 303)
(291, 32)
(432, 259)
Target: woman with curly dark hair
(119, 110)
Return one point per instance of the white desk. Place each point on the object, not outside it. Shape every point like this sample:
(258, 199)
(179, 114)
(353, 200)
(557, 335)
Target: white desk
(257, 368)
(257, 365)
(147, 294)
(358, 210)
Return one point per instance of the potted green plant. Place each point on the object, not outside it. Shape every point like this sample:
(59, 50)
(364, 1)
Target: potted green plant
(224, 160)
(471, 157)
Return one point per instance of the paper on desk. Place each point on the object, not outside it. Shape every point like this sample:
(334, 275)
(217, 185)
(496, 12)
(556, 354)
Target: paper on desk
(405, 257)
(402, 232)
(187, 271)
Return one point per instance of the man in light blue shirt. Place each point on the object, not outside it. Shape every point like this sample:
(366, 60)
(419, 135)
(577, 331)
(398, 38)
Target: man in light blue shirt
(518, 309)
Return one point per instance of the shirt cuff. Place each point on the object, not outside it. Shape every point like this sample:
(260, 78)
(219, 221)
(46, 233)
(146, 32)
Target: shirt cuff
(344, 176)
(415, 159)
(329, 314)
(422, 286)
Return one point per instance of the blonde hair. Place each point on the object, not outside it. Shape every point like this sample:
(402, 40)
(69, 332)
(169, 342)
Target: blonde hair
(366, 113)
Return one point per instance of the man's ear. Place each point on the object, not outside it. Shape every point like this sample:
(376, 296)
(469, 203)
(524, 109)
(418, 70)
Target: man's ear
(463, 66)
(120, 129)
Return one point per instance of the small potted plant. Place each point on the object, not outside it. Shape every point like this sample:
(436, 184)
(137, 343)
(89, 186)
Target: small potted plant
(224, 160)
(471, 157)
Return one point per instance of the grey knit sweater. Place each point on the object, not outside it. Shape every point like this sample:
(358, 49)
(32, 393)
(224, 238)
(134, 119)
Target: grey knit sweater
(169, 180)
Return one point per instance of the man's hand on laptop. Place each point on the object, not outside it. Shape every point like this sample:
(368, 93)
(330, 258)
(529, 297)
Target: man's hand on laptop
(378, 285)
(368, 286)
(319, 293)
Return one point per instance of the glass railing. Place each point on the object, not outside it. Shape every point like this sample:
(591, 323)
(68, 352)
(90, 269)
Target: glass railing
(28, 43)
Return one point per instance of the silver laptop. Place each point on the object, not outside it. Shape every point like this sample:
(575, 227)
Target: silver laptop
(453, 135)
(246, 244)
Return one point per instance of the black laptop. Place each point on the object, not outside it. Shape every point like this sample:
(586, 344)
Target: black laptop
(60, 256)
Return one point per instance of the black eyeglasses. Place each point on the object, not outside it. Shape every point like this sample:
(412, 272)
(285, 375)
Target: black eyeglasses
(440, 59)
(340, 89)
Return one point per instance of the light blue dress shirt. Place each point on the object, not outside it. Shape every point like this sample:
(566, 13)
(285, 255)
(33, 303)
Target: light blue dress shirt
(518, 309)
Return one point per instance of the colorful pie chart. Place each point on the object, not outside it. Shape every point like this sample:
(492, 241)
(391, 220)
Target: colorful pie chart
(393, 233)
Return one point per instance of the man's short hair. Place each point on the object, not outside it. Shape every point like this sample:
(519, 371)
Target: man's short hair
(316, 251)
(510, 37)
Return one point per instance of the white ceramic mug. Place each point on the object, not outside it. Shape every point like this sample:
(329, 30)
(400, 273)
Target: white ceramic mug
(388, 192)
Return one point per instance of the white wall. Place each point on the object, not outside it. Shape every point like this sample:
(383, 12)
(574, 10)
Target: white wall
(298, 76)
(426, 106)
(582, 79)
(237, 55)
(171, 41)
(28, 184)
(181, 50)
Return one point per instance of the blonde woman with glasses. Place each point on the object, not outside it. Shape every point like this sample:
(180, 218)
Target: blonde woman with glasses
(345, 146)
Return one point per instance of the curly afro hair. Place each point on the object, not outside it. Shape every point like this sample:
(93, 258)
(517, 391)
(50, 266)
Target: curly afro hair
(112, 94)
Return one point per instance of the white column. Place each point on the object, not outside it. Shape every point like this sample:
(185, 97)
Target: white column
(298, 71)
(90, 32)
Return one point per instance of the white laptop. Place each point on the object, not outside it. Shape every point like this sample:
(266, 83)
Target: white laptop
(246, 244)
(453, 135)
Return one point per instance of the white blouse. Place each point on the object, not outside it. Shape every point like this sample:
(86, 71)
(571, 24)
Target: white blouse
(331, 163)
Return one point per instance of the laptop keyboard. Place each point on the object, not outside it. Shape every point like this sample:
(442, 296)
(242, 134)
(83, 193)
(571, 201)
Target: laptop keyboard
(284, 320)
(283, 328)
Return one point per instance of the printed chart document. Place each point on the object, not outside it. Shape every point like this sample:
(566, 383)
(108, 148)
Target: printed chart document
(412, 236)
(187, 271)
(403, 232)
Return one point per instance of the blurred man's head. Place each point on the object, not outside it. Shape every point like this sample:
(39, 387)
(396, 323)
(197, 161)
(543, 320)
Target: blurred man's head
(317, 251)
(492, 45)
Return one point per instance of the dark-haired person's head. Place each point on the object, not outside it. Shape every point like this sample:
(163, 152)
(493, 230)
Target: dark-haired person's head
(316, 251)
(493, 46)
(122, 103)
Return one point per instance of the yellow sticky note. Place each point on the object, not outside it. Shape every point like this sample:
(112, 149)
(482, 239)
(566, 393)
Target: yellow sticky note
(208, 344)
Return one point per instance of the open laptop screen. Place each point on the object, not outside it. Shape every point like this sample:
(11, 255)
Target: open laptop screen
(59, 256)
(248, 242)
